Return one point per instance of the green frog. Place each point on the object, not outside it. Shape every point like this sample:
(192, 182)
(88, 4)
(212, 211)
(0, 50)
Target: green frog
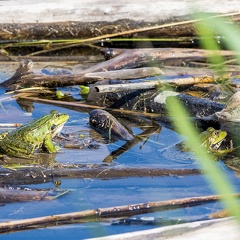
(36, 134)
(213, 140)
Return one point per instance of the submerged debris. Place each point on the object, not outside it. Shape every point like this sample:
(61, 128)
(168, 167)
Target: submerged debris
(108, 125)
(19, 194)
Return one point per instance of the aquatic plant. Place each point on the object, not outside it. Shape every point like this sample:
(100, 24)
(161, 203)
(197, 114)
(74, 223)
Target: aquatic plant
(209, 30)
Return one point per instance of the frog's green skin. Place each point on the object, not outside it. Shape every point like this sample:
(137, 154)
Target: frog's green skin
(212, 139)
(38, 133)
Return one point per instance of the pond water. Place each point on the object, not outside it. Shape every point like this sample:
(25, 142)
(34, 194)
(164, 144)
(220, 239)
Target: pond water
(159, 151)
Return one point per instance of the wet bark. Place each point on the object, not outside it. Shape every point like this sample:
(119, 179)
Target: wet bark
(126, 59)
(73, 30)
(24, 77)
(32, 175)
(103, 213)
(134, 58)
(11, 194)
(151, 101)
(113, 88)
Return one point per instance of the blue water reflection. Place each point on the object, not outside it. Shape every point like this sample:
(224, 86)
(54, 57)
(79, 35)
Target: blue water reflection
(95, 193)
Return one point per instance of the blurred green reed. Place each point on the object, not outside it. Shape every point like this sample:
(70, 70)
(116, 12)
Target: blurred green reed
(210, 31)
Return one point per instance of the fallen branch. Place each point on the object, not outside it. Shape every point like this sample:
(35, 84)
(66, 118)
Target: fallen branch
(101, 171)
(126, 74)
(72, 30)
(126, 59)
(24, 77)
(10, 124)
(108, 172)
(152, 84)
(64, 30)
(102, 213)
(134, 58)
(8, 195)
(84, 107)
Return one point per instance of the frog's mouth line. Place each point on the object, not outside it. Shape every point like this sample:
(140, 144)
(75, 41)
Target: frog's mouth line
(223, 145)
(217, 145)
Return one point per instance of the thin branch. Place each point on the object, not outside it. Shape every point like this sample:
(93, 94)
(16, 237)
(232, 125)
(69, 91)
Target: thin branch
(35, 80)
(126, 74)
(10, 125)
(85, 107)
(8, 195)
(102, 213)
(101, 171)
(152, 84)
(77, 42)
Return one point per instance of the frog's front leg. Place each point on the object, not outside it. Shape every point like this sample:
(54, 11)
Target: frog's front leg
(49, 145)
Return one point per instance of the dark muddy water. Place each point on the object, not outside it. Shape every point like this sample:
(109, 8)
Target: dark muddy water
(158, 151)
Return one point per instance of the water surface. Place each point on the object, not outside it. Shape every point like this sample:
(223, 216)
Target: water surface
(159, 151)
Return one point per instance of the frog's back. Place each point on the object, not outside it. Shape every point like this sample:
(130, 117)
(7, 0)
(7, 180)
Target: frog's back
(33, 132)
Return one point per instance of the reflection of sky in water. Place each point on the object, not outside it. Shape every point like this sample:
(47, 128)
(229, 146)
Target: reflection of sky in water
(96, 193)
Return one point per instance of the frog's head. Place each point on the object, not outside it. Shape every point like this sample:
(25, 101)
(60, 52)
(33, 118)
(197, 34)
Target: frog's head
(216, 137)
(57, 120)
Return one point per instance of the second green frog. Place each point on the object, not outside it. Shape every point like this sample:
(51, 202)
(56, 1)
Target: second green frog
(213, 140)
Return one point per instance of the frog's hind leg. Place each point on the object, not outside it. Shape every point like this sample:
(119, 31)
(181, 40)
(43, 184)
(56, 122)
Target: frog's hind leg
(16, 148)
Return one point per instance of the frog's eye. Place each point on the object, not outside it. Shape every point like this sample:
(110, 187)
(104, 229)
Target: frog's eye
(53, 127)
(216, 133)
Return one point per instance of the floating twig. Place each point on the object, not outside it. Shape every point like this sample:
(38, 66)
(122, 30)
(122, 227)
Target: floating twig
(8, 195)
(153, 84)
(103, 213)
(101, 171)
(84, 107)
(10, 124)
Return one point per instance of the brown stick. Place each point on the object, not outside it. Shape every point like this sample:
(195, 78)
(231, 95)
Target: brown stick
(84, 107)
(8, 195)
(130, 58)
(110, 212)
(35, 80)
(133, 58)
(220, 214)
(152, 84)
(100, 30)
(124, 172)
(126, 74)
(100, 171)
